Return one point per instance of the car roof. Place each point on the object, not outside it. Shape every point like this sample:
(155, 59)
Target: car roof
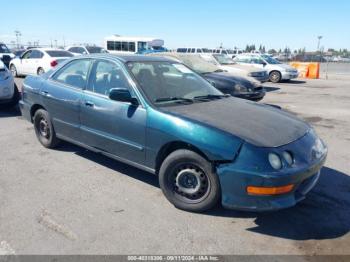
(130, 58)
(46, 49)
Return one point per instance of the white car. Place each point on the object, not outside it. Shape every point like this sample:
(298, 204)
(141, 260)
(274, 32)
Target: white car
(37, 61)
(85, 50)
(276, 70)
(8, 91)
(226, 63)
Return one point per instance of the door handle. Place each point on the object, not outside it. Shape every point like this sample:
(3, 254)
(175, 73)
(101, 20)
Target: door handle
(88, 103)
(44, 93)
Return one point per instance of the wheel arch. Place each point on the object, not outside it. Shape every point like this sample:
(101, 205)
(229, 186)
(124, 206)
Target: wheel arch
(35, 108)
(170, 147)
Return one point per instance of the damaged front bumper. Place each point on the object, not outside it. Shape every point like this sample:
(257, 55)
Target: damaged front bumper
(237, 176)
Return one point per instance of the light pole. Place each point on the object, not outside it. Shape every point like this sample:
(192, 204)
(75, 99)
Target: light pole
(318, 42)
(18, 34)
(318, 45)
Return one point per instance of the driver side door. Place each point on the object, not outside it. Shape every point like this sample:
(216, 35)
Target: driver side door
(23, 65)
(117, 128)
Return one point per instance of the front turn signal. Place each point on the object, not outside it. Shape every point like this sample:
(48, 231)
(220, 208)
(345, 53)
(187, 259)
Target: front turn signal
(254, 190)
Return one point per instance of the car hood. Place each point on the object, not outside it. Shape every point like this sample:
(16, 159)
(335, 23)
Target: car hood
(229, 77)
(258, 124)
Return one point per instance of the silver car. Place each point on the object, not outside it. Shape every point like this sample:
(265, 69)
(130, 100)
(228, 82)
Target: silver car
(9, 95)
(276, 70)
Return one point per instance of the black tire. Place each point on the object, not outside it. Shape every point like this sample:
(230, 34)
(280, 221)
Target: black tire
(44, 129)
(189, 182)
(13, 70)
(275, 77)
(40, 71)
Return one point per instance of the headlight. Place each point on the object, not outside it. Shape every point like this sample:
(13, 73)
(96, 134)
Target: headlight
(288, 157)
(319, 149)
(4, 74)
(275, 161)
(241, 88)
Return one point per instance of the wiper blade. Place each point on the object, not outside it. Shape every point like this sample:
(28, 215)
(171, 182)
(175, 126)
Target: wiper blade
(219, 71)
(174, 98)
(210, 96)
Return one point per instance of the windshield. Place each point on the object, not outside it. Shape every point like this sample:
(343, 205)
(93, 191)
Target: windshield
(4, 49)
(224, 60)
(271, 60)
(169, 82)
(95, 49)
(59, 53)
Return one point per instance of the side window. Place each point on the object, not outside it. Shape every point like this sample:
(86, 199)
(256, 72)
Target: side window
(27, 54)
(132, 46)
(35, 54)
(110, 45)
(71, 49)
(118, 46)
(199, 50)
(125, 46)
(74, 74)
(106, 75)
(80, 50)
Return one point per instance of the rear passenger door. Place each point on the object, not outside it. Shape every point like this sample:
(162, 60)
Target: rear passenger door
(117, 128)
(62, 97)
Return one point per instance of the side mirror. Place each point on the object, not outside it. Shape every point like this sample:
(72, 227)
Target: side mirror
(123, 95)
(264, 63)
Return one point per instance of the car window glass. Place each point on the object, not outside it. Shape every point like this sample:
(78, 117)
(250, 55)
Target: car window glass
(35, 54)
(27, 54)
(80, 50)
(132, 46)
(107, 75)
(74, 74)
(166, 80)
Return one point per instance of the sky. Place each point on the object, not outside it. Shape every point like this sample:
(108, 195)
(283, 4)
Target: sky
(200, 23)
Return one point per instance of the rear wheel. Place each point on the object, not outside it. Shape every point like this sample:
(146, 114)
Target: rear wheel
(40, 71)
(44, 129)
(188, 181)
(275, 77)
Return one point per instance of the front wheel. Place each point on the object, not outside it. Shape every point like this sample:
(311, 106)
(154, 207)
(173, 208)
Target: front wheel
(189, 182)
(44, 129)
(13, 70)
(275, 77)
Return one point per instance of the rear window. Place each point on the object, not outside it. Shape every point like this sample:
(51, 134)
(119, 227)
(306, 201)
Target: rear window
(59, 53)
(96, 49)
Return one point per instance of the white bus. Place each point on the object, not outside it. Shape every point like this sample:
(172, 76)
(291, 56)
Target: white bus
(116, 44)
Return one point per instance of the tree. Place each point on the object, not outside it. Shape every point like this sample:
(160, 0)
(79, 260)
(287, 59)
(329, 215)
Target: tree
(272, 51)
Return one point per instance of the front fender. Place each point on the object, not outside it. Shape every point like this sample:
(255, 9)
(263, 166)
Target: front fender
(163, 128)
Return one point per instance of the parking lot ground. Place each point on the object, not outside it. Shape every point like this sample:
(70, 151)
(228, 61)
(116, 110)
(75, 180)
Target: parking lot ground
(72, 201)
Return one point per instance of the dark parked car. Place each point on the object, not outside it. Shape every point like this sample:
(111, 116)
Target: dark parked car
(238, 86)
(160, 116)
